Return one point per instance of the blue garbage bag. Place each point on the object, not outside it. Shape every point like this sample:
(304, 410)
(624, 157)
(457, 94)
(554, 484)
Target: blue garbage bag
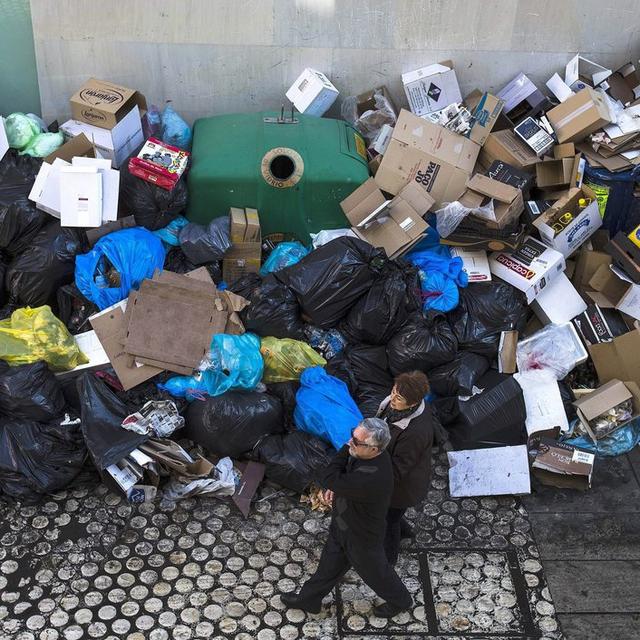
(234, 362)
(170, 233)
(175, 130)
(430, 242)
(324, 407)
(439, 292)
(284, 255)
(617, 443)
(130, 254)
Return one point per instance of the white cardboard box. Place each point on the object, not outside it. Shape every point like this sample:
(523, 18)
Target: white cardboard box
(542, 400)
(475, 263)
(431, 88)
(530, 269)
(118, 143)
(46, 187)
(558, 303)
(80, 197)
(110, 184)
(312, 93)
(4, 143)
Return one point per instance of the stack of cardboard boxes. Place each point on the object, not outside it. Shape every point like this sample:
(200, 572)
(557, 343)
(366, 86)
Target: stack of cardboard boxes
(246, 244)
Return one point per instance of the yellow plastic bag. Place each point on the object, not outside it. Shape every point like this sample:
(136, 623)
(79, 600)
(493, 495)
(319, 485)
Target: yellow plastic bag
(286, 359)
(36, 334)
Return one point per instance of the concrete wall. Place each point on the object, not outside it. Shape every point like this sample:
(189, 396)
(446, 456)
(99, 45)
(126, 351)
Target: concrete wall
(221, 56)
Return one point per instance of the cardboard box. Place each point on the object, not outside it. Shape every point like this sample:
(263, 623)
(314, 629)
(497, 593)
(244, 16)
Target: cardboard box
(80, 197)
(431, 88)
(596, 325)
(559, 302)
(557, 174)
(252, 231)
(244, 255)
(312, 93)
(475, 263)
(79, 146)
(579, 115)
(560, 465)
(522, 99)
(117, 143)
(507, 352)
(395, 225)
(587, 263)
(626, 255)
(606, 397)
(503, 172)
(530, 269)
(566, 150)
(104, 104)
(609, 288)
(507, 200)
(437, 159)
(624, 84)
(380, 143)
(366, 101)
(618, 358)
(110, 184)
(565, 236)
(534, 135)
(507, 147)
(485, 109)
(543, 402)
(45, 191)
(581, 72)
(237, 225)
(159, 163)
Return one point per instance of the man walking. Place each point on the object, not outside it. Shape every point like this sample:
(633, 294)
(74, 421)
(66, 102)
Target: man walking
(360, 481)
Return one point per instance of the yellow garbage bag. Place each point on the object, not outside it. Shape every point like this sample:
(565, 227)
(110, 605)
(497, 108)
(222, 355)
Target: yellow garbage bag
(286, 359)
(36, 334)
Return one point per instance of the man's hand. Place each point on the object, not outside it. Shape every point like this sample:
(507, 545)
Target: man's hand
(327, 496)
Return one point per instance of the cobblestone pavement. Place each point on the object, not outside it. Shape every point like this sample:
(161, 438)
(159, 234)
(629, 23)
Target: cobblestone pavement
(87, 564)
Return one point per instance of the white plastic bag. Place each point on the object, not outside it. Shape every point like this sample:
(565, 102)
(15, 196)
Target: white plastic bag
(322, 237)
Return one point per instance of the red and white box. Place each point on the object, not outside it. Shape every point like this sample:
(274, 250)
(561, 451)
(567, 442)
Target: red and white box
(159, 163)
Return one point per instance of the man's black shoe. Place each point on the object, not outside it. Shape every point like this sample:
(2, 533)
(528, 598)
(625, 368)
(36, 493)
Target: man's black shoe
(406, 530)
(293, 601)
(387, 610)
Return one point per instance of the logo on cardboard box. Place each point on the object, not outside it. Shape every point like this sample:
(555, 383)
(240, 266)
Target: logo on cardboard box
(428, 177)
(434, 92)
(518, 268)
(93, 116)
(572, 232)
(96, 96)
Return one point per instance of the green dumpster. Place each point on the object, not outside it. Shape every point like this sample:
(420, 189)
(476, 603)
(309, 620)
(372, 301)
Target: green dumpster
(294, 170)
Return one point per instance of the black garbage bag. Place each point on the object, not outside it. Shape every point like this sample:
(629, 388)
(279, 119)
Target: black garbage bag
(380, 312)
(365, 371)
(152, 207)
(246, 285)
(74, 309)
(20, 221)
(446, 409)
(34, 277)
(30, 392)
(329, 280)
(37, 458)
(273, 311)
(493, 418)
(286, 393)
(485, 310)
(205, 244)
(177, 261)
(423, 343)
(102, 415)
(294, 459)
(3, 271)
(458, 377)
(232, 424)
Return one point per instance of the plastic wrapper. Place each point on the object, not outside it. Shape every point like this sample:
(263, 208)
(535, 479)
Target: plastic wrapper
(39, 458)
(421, 344)
(330, 279)
(220, 483)
(102, 414)
(205, 244)
(365, 371)
(286, 359)
(175, 130)
(324, 407)
(555, 348)
(34, 277)
(233, 423)
(283, 255)
(328, 342)
(494, 416)
(323, 237)
(36, 334)
(378, 314)
(370, 122)
(20, 130)
(118, 262)
(30, 392)
(158, 418)
(152, 206)
(459, 376)
(171, 233)
(43, 144)
(486, 310)
(273, 310)
(234, 362)
(293, 460)
(453, 213)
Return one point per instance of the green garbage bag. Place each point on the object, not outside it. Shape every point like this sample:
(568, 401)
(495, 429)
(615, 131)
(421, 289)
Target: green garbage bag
(286, 359)
(20, 130)
(42, 145)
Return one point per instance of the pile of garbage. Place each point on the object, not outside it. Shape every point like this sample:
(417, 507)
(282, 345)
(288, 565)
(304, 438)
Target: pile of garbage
(493, 243)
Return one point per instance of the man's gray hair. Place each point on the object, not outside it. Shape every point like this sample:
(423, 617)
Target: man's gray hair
(379, 435)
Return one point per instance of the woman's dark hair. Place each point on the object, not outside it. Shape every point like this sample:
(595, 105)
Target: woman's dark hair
(413, 386)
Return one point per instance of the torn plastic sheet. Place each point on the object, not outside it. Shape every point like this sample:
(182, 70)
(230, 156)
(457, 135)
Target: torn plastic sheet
(157, 417)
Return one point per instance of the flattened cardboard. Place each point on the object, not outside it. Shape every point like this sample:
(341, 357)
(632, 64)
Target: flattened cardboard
(560, 465)
(252, 475)
(578, 116)
(506, 146)
(103, 104)
(485, 109)
(618, 358)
